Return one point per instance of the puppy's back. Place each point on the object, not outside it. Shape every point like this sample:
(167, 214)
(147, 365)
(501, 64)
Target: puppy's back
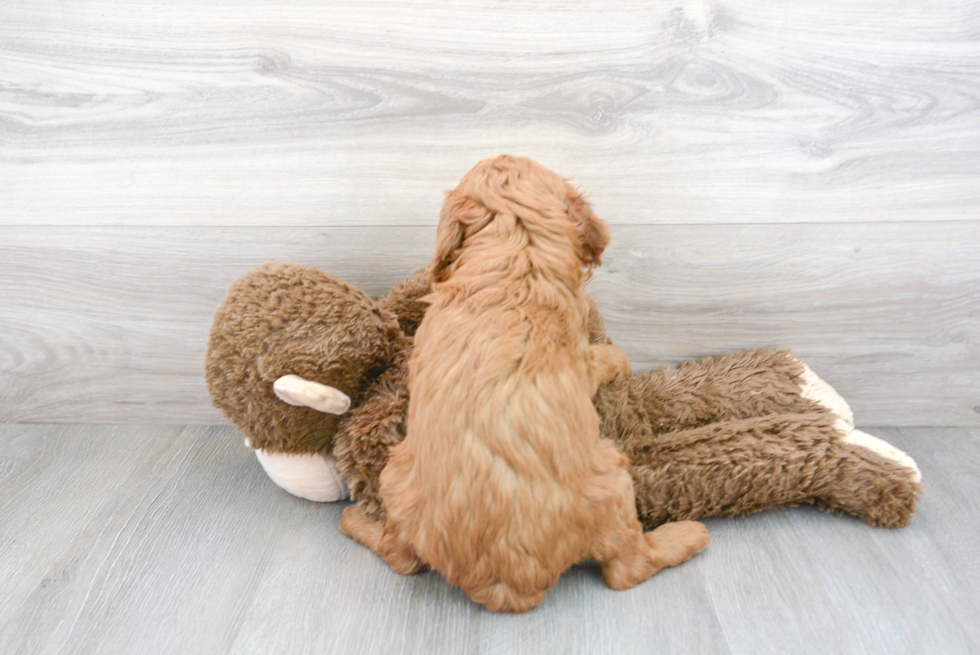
(498, 482)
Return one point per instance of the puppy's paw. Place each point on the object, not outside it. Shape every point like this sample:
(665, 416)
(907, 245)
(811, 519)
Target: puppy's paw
(609, 362)
(383, 538)
(675, 543)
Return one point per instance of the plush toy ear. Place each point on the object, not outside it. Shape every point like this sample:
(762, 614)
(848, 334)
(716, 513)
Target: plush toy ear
(593, 231)
(461, 216)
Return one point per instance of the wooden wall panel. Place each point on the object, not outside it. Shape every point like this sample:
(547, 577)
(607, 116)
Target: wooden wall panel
(743, 151)
(362, 113)
(110, 324)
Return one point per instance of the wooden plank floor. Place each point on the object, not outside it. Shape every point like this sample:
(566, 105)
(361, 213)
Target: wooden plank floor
(169, 539)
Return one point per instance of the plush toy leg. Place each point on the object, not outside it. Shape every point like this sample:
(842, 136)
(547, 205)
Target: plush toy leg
(740, 385)
(730, 468)
(313, 477)
(861, 439)
(872, 480)
(815, 389)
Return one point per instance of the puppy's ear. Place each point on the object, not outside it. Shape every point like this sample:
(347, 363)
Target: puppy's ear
(593, 231)
(460, 217)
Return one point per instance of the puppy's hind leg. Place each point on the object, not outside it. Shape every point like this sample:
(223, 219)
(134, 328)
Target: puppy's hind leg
(383, 538)
(629, 556)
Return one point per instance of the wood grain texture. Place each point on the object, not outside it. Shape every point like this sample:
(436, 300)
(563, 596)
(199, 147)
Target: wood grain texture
(169, 539)
(361, 113)
(70, 471)
(902, 591)
(888, 314)
(146, 568)
(819, 164)
(110, 324)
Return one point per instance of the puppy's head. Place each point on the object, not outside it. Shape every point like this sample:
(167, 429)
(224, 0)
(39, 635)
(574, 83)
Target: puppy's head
(516, 194)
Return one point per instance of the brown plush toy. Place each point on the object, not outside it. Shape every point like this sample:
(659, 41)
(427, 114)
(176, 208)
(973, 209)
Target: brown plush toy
(314, 373)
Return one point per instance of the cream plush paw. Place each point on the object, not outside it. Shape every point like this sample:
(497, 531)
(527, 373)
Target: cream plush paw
(813, 388)
(313, 477)
(294, 390)
(874, 444)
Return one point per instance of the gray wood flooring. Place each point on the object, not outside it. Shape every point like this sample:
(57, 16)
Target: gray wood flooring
(169, 539)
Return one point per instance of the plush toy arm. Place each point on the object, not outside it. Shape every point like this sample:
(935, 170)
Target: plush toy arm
(369, 433)
(405, 300)
(597, 325)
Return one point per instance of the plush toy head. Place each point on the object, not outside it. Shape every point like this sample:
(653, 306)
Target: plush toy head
(285, 319)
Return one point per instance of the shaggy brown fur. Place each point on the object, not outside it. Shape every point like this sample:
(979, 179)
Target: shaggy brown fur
(371, 429)
(742, 418)
(502, 482)
(739, 466)
(696, 436)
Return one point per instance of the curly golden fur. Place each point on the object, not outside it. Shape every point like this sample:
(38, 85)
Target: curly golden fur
(502, 482)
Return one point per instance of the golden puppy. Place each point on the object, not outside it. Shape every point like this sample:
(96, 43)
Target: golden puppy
(502, 482)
